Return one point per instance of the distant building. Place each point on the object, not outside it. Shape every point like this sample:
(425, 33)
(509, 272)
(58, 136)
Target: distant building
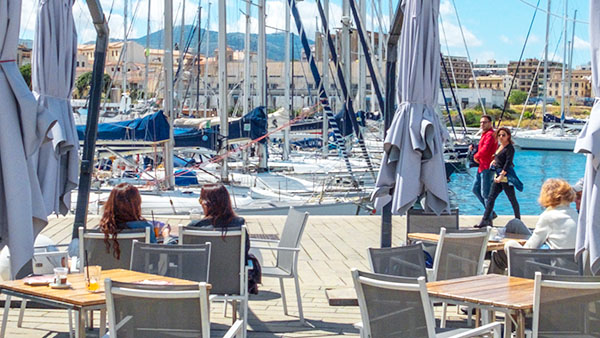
(496, 82)
(23, 55)
(469, 98)
(527, 74)
(581, 85)
(460, 68)
(490, 68)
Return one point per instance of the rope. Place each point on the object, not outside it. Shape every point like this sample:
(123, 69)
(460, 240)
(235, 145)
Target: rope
(6, 61)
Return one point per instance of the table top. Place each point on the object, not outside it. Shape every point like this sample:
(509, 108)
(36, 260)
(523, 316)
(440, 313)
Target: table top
(507, 292)
(77, 294)
(491, 246)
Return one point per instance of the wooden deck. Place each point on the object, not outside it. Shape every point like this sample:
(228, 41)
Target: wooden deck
(331, 246)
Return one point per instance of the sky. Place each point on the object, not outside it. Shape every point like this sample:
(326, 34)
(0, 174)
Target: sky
(493, 29)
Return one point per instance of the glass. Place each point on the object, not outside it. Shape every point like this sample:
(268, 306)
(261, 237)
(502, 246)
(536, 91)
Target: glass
(93, 274)
(60, 276)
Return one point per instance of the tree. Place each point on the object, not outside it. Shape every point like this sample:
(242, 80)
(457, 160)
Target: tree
(83, 82)
(26, 73)
(517, 97)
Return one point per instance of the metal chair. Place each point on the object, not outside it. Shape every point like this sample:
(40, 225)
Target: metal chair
(189, 261)
(459, 254)
(228, 273)
(392, 306)
(418, 220)
(142, 310)
(403, 261)
(92, 241)
(566, 306)
(287, 250)
(524, 262)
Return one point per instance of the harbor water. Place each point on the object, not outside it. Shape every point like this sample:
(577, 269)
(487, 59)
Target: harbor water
(533, 167)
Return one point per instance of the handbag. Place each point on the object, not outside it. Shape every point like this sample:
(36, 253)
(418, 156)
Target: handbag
(471, 155)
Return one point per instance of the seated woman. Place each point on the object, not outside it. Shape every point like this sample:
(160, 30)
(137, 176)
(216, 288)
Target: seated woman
(218, 212)
(556, 227)
(123, 210)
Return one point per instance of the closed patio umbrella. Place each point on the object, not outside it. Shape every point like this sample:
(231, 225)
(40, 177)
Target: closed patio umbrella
(413, 163)
(588, 142)
(24, 128)
(53, 78)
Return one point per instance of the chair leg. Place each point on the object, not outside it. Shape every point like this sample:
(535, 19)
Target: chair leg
(225, 308)
(5, 316)
(285, 311)
(70, 314)
(102, 322)
(444, 309)
(299, 298)
(22, 312)
(245, 316)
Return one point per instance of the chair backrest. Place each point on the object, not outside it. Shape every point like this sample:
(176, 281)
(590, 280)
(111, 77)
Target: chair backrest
(418, 220)
(524, 262)
(392, 306)
(227, 257)
(142, 310)
(566, 306)
(188, 261)
(290, 238)
(403, 261)
(459, 254)
(92, 241)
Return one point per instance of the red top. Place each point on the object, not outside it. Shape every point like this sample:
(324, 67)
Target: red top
(485, 151)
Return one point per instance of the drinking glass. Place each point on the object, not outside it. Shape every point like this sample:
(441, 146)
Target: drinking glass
(93, 275)
(60, 276)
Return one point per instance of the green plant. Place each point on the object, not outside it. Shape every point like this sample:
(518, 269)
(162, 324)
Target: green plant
(472, 118)
(529, 114)
(83, 82)
(26, 73)
(517, 97)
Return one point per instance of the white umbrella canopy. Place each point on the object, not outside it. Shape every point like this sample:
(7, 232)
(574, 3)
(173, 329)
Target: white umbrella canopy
(413, 163)
(24, 128)
(588, 142)
(53, 78)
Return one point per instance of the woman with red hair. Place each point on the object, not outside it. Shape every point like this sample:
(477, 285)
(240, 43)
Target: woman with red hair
(123, 210)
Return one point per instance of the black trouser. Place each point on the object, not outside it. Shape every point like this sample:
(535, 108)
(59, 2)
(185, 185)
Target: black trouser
(496, 189)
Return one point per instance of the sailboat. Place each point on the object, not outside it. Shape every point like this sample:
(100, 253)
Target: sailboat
(554, 135)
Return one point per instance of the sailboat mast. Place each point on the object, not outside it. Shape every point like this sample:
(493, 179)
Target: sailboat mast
(124, 51)
(206, 97)
(199, 41)
(362, 67)
(545, 66)
(325, 77)
(247, 75)
(262, 67)
(147, 53)
(569, 77)
(180, 98)
(564, 68)
(286, 93)
(224, 123)
(168, 104)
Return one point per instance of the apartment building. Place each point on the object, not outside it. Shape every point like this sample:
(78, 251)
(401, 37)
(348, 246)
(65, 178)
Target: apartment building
(527, 74)
(581, 85)
(460, 70)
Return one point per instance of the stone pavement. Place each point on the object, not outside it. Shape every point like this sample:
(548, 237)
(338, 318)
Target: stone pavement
(331, 246)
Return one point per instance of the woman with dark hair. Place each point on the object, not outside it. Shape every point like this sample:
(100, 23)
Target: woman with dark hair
(505, 177)
(218, 212)
(123, 210)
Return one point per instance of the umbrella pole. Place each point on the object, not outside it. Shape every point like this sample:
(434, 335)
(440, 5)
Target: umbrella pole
(388, 112)
(89, 145)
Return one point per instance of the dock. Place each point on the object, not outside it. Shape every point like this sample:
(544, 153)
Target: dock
(331, 246)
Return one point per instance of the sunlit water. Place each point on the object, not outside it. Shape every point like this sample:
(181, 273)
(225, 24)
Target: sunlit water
(533, 167)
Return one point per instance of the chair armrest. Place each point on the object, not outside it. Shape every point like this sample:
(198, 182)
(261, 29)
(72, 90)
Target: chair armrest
(430, 276)
(275, 248)
(491, 327)
(264, 240)
(235, 329)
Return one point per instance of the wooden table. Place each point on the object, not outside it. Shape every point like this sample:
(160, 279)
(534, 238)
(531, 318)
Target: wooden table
(511, 295)
(491, 246)
(76, 297)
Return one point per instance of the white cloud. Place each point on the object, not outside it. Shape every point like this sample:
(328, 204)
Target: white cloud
(505, 39)
(454, 37)
(580, 43)
(485, 56)
(446, 8)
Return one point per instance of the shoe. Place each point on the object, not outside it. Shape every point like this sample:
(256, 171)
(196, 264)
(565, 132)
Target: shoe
(465, 310)
(483, 224)
(494, 215)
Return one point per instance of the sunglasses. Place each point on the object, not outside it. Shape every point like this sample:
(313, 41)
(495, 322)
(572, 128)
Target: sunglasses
(502, 135)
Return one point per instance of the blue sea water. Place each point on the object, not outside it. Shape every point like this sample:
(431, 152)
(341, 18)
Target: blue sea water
(533, 167)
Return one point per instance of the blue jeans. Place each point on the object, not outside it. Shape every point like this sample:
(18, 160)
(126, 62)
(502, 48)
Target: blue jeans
(482, 184)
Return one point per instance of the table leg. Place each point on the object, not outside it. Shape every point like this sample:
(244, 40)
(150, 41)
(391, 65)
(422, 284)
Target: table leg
(507, 326)
(80, 323)
(521, 325)
(102, 322)
(5, 316)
